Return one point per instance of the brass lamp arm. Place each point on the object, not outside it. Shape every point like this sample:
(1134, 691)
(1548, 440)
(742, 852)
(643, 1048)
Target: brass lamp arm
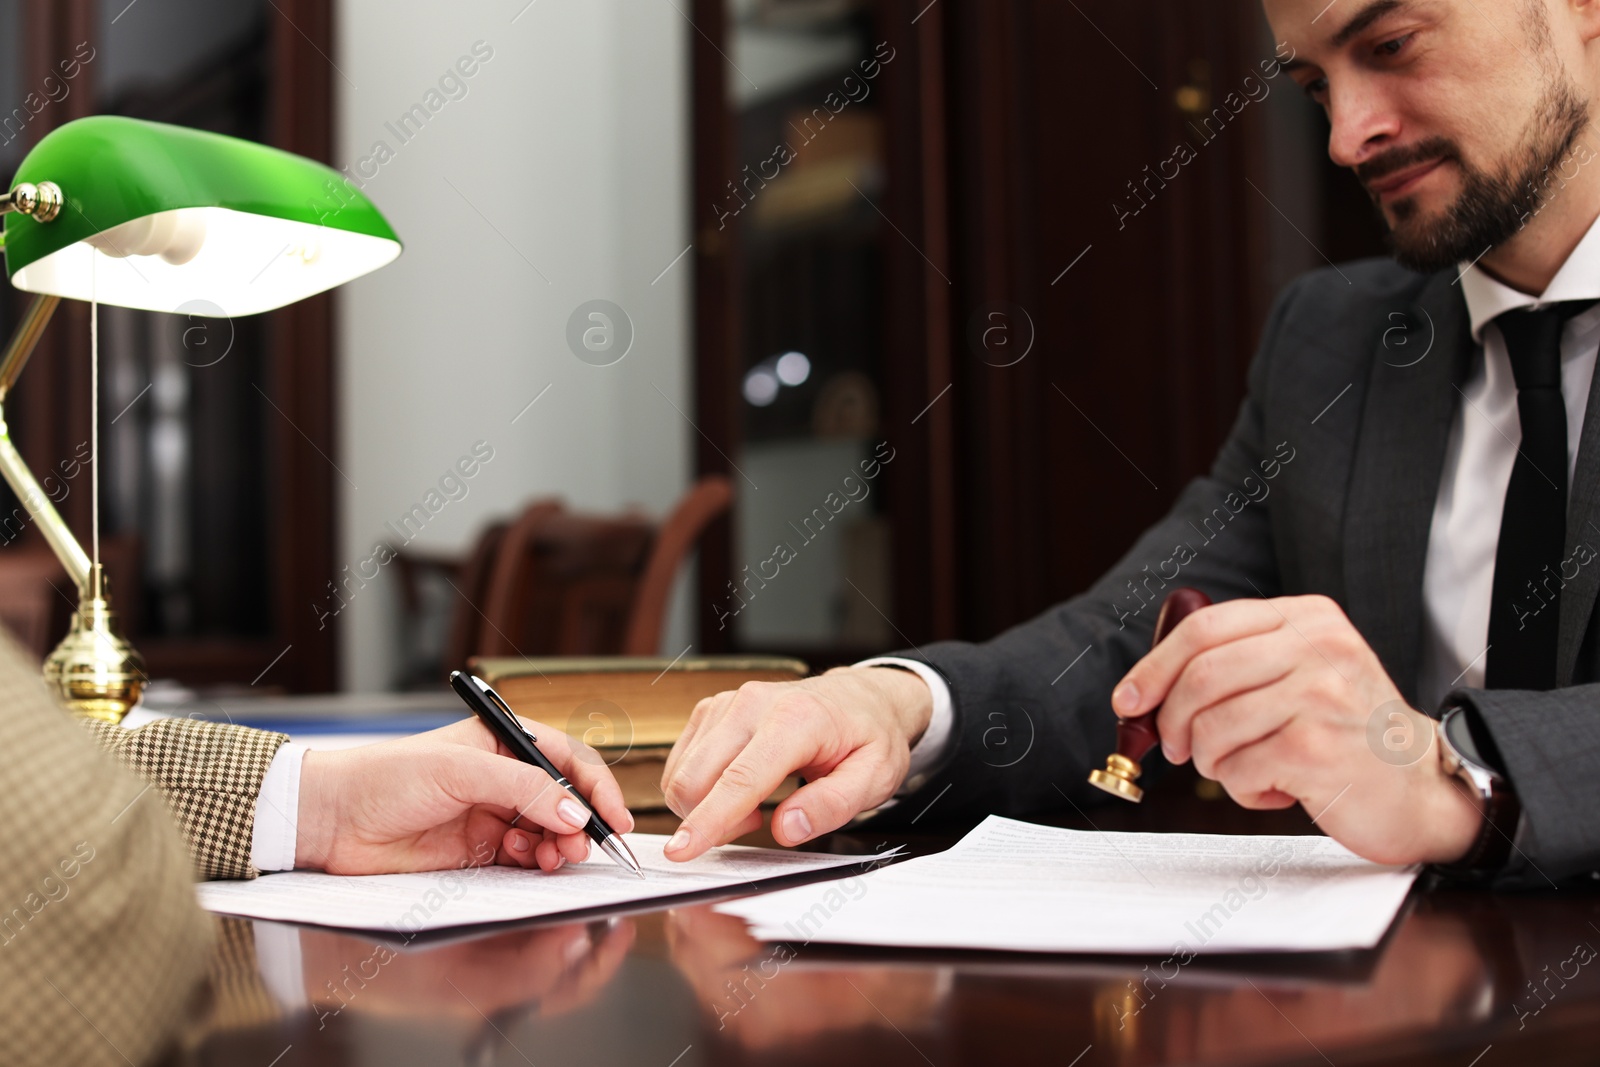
(51, 524)
(17, 475)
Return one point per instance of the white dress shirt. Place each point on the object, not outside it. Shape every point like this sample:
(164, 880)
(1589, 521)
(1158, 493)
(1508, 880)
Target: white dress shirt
(1458, 575)
(1484, 435)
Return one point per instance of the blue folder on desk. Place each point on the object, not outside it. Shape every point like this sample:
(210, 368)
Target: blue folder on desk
(332, 720)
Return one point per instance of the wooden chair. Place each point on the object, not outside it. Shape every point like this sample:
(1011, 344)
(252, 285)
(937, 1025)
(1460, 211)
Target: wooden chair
(569, 584)
(705, 502)
(472, 584)
(563, 583)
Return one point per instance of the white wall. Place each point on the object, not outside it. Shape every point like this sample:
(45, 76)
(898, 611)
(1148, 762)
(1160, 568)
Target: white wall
(572, 142)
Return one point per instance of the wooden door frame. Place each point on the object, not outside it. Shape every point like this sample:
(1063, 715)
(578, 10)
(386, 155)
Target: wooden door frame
(716, 316)
(301, 366)
(921, 405)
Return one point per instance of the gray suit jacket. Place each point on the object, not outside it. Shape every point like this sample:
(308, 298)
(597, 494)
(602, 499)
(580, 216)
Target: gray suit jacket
(1326, 484)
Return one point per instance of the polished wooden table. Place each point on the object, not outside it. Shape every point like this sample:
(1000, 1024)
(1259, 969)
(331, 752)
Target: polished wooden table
(1464, 978)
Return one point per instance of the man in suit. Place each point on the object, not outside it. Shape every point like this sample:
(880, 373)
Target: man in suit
(1401, 525)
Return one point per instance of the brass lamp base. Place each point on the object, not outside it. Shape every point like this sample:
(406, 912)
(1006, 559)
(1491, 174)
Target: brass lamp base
(94, 672)
(1118, 778)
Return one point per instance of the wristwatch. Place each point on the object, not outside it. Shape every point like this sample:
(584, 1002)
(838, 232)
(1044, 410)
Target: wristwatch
(1465, 758)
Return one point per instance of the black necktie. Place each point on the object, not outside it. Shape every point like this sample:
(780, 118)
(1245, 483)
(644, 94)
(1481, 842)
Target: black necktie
(1525, 607)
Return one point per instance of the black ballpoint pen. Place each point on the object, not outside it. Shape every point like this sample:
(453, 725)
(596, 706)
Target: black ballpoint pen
(497, 715)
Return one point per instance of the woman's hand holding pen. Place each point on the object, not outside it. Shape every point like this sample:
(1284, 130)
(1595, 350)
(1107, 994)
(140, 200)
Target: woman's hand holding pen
(449, 798)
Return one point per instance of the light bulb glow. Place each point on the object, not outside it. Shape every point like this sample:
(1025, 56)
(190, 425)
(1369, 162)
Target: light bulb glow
(761, 387)
(793, 368)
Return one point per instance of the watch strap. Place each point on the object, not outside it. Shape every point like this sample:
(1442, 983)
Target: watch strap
(1491, 849)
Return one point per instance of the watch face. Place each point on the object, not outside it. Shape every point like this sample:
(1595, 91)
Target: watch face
(1472, 743)
(1458, 732)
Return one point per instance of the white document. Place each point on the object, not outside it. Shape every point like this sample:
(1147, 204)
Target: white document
(1018, 886)
(408, 903)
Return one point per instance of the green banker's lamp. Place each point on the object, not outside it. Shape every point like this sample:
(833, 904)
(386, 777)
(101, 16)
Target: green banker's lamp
(162, 218)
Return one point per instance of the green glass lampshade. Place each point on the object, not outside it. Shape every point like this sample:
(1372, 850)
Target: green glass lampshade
(166, 218)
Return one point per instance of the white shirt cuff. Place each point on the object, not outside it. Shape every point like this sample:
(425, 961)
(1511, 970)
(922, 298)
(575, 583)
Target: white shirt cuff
(934, 745)
(278, 811)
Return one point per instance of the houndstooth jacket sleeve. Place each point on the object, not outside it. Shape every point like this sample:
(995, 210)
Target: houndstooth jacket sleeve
(101, 941)
(210, 774)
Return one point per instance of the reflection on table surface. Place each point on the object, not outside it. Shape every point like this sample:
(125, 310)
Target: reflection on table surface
(686, 985)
